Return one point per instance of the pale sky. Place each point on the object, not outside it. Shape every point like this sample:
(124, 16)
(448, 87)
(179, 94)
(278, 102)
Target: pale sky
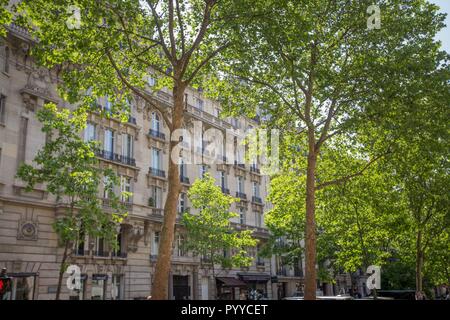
(444, 35)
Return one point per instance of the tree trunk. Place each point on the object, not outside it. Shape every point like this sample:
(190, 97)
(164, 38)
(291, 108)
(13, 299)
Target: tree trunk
(310, 245)
(61, 271)
(163, 264)
(419, 261)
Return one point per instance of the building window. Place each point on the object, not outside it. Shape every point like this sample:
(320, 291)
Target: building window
(199, 104)
(155, 244)
(223, 180)
(156, 158)
(109, 143)
(98, 287)
(117, 285)
(202, 170)
(125, 185)
(182, 203)
(21, 287)
(180, 245)
(78, 294)
(108, 188)
(78, 246)
(151, 81)
(240, 184)
(2, 109)
(155, 122)
(89, 132)
(157, 197)
(119, 250)
(100, 247)
(258, 219)
(255, 189)
(127, 146)
(242, 215)
(106, 104)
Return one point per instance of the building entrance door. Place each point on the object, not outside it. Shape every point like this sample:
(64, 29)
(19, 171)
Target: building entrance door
(181, 289)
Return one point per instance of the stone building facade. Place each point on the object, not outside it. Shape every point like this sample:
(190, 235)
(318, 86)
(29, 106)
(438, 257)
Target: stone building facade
(138, 152)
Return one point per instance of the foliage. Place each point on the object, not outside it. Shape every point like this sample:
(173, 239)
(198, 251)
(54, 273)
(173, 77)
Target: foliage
(5, 16)
(69, 169)
(210, 232)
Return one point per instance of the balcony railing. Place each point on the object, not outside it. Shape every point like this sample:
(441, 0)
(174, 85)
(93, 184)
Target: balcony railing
(260, 263)
(255, 169)
(157, 134)
(282, 271)
(225, 190)
(78, 252)
(184, 179)
(132, 120)
(101, 253)
(157, 172)
(122, 255)
(241, 195)
(111, 156)
(240, 165)
(256, 200)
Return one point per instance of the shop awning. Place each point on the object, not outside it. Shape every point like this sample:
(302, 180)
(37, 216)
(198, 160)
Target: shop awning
(254, 277)
(231, 282)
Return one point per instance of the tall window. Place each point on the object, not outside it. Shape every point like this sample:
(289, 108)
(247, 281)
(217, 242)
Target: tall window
(109, 141)
(157, 197)
(127, 146)
(151, 81)
(125, 186)
(155, 122)
(242, 215)
(202, 170)
(99, 247)
(117, 285)
(255, 189)
(107, 103)
(118, 251)
(155, 244)
(98, 287)
(78, 246)
(180, 245)
(182, 203)
(156, 158)
(106, 186)
(2, 108)
(199, 103)
(258, 219)
(223, 179)
(240, 184)
(89, 132)
(183, 171)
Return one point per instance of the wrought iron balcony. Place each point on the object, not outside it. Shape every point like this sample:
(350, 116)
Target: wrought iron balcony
(240, 165)
(157, 172)
(101, 253)
(184, 179)
(260, 263)
(241, 195)
(122, 255)
(111, 156)
(157, 134)
(255, 169)
(225, 190)
(132, 120)
(256, 200)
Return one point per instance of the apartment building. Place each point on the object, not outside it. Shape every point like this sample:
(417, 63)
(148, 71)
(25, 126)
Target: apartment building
(138, 152)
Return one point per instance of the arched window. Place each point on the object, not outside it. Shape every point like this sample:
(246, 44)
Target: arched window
(155, 122)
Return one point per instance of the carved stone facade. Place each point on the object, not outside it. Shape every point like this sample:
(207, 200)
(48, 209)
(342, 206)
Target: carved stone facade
(29, 247)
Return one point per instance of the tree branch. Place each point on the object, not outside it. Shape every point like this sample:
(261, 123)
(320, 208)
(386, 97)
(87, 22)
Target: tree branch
(137, 91)
(349, 177)
(158, 27)
(206, 60)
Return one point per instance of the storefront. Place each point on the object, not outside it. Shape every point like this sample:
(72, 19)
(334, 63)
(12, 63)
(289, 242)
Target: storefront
(227, 287)
(256, 284)
(19, 286)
